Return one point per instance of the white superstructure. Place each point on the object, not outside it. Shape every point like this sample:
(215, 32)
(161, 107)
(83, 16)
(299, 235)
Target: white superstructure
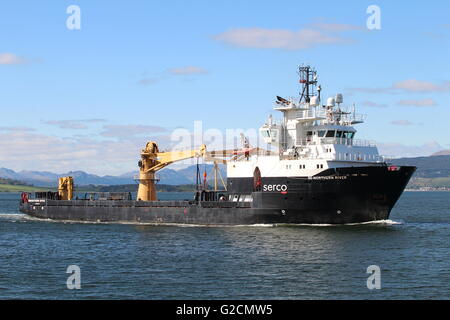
(311, 137)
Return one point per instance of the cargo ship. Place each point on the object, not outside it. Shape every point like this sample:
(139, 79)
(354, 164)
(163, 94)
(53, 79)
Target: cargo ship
(319, 173)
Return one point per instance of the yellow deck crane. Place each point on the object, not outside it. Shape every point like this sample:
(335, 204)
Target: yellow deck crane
(65, 188)
(152, 161)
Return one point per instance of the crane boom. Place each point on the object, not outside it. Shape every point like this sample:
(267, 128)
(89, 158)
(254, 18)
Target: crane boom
(152, 161)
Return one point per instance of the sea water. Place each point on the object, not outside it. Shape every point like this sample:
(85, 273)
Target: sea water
(128, 261)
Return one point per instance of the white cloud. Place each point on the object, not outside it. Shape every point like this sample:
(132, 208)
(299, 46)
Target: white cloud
(406, 86)
(418, 103)
(148, 81)
(16, 129)
(10, 59)
(335, 27)
(73, 124)
(127, 132)
(278, 38)
(180, 71)
(402, 123)
(414, 85)
(187, 70)
(371, 90)
(56, 154)
(373, 104)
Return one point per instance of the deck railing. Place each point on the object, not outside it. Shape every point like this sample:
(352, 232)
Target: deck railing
(339, 156)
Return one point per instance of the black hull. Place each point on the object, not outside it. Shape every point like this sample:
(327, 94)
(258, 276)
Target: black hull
(337, 196)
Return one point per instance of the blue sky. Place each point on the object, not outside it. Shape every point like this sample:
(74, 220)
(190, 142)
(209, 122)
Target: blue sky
(138, 69)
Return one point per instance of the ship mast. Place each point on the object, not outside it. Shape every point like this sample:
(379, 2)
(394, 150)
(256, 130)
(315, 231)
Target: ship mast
(308, 79)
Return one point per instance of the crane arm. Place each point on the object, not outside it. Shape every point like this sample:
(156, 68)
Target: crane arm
(224, 156)
(163, 159)
(152, 160)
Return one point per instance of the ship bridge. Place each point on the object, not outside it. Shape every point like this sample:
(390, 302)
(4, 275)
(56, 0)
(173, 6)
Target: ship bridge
(311, 129)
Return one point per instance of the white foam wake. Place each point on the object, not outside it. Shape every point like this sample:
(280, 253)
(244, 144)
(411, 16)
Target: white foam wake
(16, 216)
(382, 222)
(376, 222)
(12, 216)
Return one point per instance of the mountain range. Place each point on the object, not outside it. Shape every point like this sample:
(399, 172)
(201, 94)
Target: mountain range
(166, 176)
(434, 166)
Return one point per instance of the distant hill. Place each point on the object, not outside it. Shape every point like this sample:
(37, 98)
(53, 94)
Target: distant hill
(432, 172)
(10, 185)
(49, 179)
(427, 167)
(13, 182)
(441, 153)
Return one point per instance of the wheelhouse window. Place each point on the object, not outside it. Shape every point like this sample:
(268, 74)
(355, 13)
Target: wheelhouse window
(330, 134)
(321, 133)
(274, 133)
(348, 135)
(339, 134)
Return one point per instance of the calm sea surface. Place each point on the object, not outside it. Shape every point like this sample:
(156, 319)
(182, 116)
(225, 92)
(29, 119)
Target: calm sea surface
(257, 262)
